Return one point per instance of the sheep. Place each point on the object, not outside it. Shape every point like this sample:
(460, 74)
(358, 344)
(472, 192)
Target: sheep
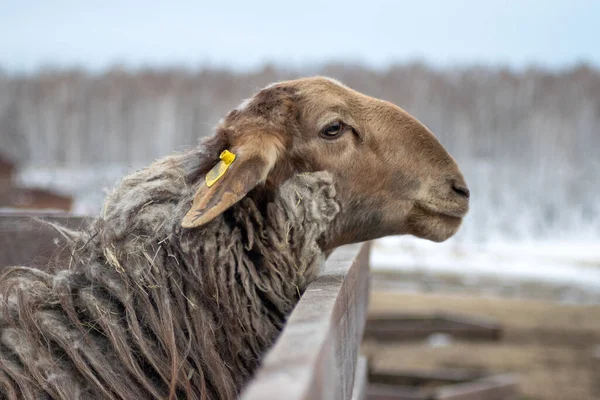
(186, 278)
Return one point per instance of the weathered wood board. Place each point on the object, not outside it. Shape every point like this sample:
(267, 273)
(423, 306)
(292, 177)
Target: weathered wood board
(407, 377)
(498, 387)
(399, 326)
(495, 387)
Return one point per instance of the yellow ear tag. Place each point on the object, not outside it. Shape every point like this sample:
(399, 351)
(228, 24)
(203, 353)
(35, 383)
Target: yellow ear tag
(219, 170)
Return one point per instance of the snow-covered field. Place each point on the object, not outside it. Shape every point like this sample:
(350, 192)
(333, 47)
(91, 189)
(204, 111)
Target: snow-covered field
(572, 267)
(495, 243)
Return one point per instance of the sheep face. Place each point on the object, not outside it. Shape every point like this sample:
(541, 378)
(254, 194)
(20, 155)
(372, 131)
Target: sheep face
(391, 174)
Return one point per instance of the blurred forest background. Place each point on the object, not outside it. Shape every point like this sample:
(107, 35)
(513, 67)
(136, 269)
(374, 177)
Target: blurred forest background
(527, 140)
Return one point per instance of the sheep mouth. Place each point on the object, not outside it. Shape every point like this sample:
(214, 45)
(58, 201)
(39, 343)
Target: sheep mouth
(436, 223)
(455, 214)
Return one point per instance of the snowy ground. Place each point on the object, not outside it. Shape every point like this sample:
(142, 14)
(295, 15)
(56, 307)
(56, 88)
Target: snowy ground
(572, 267)
(569, 259)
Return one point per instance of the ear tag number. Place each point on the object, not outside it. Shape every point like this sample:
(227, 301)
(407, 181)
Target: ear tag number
(219, 170)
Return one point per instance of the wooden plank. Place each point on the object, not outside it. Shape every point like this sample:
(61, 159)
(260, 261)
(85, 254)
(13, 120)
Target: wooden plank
(377, 391)
(473, 320)
(399, 326)
(415, 377)
(25, 241)
(315, 357)
(361, 379)
(498, 387)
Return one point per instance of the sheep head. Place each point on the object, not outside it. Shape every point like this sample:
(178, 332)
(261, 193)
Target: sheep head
(391, 174)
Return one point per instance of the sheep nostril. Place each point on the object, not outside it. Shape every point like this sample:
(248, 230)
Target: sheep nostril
(462, 190)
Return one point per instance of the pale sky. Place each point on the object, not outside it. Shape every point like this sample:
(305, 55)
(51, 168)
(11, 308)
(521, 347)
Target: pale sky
(242, 34)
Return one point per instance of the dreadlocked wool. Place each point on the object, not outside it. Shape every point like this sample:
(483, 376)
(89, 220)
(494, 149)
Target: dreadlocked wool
(148, 310)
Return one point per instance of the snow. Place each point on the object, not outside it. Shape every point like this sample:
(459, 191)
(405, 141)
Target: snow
(575, 264)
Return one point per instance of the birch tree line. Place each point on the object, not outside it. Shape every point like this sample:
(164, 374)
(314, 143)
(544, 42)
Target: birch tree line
(68, 118)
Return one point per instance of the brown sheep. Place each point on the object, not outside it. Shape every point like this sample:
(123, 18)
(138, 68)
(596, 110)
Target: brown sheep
(188, 276)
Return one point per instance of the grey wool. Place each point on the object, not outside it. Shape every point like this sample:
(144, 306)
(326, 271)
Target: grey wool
(149, 310)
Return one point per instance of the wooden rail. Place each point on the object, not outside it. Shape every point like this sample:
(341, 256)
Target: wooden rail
(495, 387)
(401, 326)
(316, 356)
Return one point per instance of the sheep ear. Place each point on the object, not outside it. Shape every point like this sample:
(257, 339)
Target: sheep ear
(226, 185)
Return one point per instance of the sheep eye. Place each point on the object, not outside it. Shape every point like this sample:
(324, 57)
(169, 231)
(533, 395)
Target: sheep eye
(333, 130)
